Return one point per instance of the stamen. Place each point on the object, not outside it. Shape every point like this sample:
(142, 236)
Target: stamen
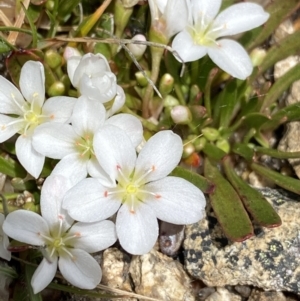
(139, 180)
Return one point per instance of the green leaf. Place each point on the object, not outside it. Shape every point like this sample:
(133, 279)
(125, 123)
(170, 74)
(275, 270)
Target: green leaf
(199, 181)
(285, 182)
(276, 153)
(213, 152)
(29, 270)
(66, 8)
(255, 120)
(258, 207)
(11, 168)
(243, 150)
(227, 205)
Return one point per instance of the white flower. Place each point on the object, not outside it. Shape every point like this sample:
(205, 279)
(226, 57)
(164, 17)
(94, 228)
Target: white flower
(73, 144)
(142, 186)
(168, 16)
(92, 76)
(4, 242)
(66, 244)
(30, 113)
(205, 27)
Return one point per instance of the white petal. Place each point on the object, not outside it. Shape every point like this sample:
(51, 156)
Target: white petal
(130, 125)
(96, 171)
(94, 237)
(72, 65)
(118, 102)
(26, 226)
(9, 126)
(72, 167)
(30, 159)
(32, 82)
(176, 16)
(81, 270)
(88, 116)
(240, 18)
(179, 201)
(52, 194)
(204, 11)
(185, 47)
(70, 52)
(59, 108)
(54, 140)
(11, 100)
(4, 253)
(160, 155)
(114, 150)
(138, 231)
(43, 275)
(232, 58)
(89, 201)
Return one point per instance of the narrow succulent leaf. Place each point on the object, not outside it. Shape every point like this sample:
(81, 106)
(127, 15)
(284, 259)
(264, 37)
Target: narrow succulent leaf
(285, 182)
(276, 153)
(278, 10)
(30, 16)
(12, 168)
(258, 207)
(281, 85)
(287, 114)
(227, 206)
(255, 120)
(199, 181)
(29, 271)
(213, 152)
(66, 8)
(243, 150)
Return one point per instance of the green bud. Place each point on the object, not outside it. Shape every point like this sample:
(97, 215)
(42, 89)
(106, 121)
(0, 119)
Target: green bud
(223, 144)
(166, 84)
(211, 134)
(53, 59)
(141, 79)
(195, 95)
(181, 115)
(257, 56)
(188, 149)
(132, 102)
(199, 143)
(50, 5)
(170, 101)
(122, 15)
(30, 207)
(56, 89)
(198, 112)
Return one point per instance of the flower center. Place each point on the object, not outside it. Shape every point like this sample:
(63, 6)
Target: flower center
(131, 189)
(85, 147)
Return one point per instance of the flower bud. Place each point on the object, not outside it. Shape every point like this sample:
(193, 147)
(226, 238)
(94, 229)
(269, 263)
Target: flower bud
(188, 149)
(166, 84)
(56, 89)
(210, 134)
(193, 160)
(53, 59)
(195, 95)
(198, 112)
(170, 101)
(181, 115)
(138, 49)
(199, 143)
(257, 56)
(69, 52)
(141, 79)
(223, 144)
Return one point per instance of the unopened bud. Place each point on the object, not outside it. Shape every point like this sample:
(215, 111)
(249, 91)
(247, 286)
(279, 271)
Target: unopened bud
(137, 49)
(70, 51)
(56, 89)
(53, 59)
(188, 149)
(223, 144)
(210, 134)
(181, 115)
(166, 84)
(195, 95)
(199, 143)
(141, 79)
(170, 101)
(257, 56)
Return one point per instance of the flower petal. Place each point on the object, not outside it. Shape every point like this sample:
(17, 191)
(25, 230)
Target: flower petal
(89, 201)
(204, 11)
(59, 108)
(26, 226)
(185, 47)
(130, 125)
(43, 275)
(138, 231)
(11, 100)
(72, 65)
(240, 18)
(9, 126)
(232, 58)
(94, 237)
(54, 140)
(88, 116)
(160, 155)
(175, 200)
(4, 253)
(72, 167)
(96, 171)
(52, 194)
(114, 150)
(30, 159)
(118, 102)
(81, 270)
(32, 82)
